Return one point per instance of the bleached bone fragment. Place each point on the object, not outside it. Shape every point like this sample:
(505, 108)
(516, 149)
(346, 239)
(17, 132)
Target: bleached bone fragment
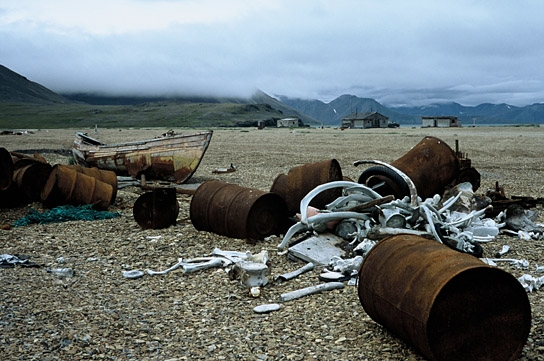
(320, 220)
(294, 229)
(531, 283)
(392, 218)
(176, 266)
(190, 267)
(305, 202)
(348, 201)
(382, 232)
(504, 250)
(288, 276)
(255, 292)
(289, 296)
(518, 263)
(271, 307)
(251, 274)
(133, 274)
(450, 202)
(346, 266)
(363, 247)
(488, 261)
(261, 257)
(233, 256)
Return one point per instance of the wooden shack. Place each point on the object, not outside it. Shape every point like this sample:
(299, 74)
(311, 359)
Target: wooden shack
(291, 122)
(365, 120)
(440, 121)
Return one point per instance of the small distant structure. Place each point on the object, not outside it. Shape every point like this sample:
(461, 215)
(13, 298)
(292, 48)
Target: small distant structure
(365, 120)
(445, 121)
(291, 122)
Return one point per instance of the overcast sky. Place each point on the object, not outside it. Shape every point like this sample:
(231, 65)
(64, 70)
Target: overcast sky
(395, 51)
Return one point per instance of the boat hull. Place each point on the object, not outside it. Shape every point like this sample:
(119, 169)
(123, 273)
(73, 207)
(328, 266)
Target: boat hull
(172, 157)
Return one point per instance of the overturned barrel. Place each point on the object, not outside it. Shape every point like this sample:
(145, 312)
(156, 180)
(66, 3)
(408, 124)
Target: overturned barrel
(31, 179)
(6, 169)
(106, 176)
(156, 209)
(448, 305)
(431, 165)
(299, 181)
(68, 186)
(238, 212)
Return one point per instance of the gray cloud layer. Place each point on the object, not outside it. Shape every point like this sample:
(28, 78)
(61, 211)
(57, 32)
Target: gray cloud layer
(391, 50)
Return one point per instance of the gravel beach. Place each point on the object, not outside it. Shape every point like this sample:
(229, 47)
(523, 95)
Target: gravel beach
(100, 315)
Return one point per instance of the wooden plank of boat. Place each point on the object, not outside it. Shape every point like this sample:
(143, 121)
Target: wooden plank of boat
(169, 157)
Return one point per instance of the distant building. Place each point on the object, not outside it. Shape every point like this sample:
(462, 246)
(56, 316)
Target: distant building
(440, 122)
(291, 122)
(365, 120)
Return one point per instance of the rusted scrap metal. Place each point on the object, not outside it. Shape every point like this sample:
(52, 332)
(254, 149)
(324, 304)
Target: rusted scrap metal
(156, 209)
(501, 202)
(186, 188)
(33, 179)
(169, 157)
(294, 185)
(24, 176)
(6, 169)
(230, 169)
(442, 302)
(65, 185)
(431, 165)
(238, 212)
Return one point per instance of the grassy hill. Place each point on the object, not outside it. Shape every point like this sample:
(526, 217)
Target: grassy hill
(25, 104)
(160, 114)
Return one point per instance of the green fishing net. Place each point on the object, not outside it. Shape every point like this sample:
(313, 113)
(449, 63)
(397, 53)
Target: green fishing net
(63, 214)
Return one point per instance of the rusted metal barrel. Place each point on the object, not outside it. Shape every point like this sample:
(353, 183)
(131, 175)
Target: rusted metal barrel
(447, 304)
(431, 165)
(106, 176)
(68, 186)
(238, 212)
(299, 181)
(6, 169)
(156, 209)
(31, 179)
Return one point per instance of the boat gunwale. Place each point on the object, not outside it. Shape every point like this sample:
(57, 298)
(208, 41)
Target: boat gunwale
(85, 145)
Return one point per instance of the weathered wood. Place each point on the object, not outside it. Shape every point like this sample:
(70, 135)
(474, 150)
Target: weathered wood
(169, 157)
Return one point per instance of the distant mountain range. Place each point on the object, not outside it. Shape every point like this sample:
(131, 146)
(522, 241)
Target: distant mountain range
(15, 88)
(331, 113)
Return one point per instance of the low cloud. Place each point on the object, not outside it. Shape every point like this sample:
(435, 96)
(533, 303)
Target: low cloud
(393, 51)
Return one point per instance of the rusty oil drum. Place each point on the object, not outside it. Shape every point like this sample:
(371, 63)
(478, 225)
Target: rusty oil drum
(6, 169)
(238, 212)
(106, 176)
(448, 305)
(68, 186)
(31, 178)
(299, 181)
(156, 209)
(431, 165)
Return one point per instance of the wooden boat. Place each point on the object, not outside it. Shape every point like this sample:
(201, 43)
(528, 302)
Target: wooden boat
(172, 157)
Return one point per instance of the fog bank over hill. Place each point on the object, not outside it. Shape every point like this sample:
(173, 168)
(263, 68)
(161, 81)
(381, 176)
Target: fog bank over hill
(16, 88)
